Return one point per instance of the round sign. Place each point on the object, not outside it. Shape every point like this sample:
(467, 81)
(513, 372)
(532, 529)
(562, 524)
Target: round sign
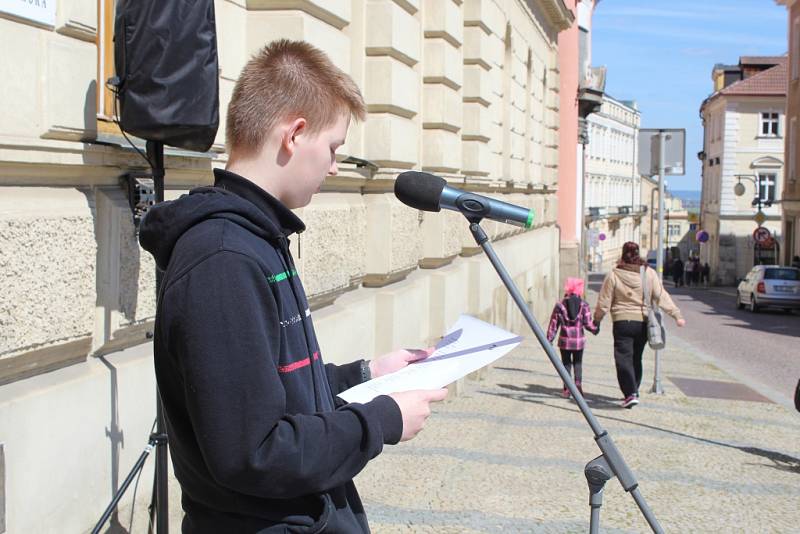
(761, 234)
(701, 236)
(602, 237)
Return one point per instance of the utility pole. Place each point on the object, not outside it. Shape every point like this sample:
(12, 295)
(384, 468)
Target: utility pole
(662, 136)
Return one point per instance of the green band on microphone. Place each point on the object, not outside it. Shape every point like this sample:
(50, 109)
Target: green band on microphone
(530, 219)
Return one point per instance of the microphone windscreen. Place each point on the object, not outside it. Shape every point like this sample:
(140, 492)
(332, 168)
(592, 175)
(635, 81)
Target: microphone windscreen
(419, 190)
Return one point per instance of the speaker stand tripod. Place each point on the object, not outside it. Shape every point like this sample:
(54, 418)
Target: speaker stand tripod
(610, 463)
(159, 503)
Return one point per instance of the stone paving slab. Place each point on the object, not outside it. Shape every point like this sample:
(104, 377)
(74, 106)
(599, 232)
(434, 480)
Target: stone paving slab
(507, 455)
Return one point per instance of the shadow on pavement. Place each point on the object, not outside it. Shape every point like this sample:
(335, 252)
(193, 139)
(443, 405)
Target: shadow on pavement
(535, 392)
(532, 392)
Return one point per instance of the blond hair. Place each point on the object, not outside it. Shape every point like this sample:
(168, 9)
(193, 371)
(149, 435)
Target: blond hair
(283, 81)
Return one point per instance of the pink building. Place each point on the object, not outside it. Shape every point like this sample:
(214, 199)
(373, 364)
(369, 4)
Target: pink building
(580, 94)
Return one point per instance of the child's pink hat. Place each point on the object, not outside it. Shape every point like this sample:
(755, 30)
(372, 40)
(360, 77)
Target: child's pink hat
(573, 285)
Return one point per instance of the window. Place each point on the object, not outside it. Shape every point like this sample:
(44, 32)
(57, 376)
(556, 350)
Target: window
(674, 230)
(769, 124)
(766, 186)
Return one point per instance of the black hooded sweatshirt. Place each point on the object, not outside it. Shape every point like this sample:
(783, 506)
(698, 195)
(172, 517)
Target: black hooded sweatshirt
(258, 440)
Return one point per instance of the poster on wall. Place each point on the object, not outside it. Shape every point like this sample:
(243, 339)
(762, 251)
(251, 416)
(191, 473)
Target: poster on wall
(39, 11)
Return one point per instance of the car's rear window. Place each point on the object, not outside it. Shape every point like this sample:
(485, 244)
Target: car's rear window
(782, 274)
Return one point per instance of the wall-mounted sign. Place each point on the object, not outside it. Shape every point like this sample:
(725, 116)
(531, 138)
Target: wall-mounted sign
(701, 236)
(41, 11)
(602, 237)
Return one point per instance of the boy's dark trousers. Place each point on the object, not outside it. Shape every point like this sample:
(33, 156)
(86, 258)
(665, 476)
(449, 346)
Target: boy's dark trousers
(630, 338)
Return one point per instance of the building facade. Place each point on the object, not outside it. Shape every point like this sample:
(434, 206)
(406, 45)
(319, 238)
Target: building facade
(790, 201)
(468, 89)
(744, 127)
(575, 56)
(613, 186)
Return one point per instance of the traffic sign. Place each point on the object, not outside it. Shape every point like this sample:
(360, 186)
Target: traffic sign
(761, 234)
(759, 217)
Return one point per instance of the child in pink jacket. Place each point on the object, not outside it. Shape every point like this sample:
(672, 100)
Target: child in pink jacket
(572, 314)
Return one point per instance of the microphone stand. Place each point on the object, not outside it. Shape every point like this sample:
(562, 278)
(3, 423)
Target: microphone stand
(610, 463)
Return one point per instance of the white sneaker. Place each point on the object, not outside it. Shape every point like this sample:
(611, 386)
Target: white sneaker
(629, 402)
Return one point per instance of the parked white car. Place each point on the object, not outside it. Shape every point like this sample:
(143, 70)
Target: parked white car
(770, 285)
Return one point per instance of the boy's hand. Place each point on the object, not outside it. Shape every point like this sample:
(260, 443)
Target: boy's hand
(396, 360)
(415, 407)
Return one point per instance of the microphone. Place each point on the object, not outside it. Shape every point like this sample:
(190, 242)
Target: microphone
(427, 192)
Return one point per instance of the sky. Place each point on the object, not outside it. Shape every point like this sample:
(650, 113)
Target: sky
(660, 53)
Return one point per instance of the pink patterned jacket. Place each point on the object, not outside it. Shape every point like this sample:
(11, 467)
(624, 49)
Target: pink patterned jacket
(571, 336)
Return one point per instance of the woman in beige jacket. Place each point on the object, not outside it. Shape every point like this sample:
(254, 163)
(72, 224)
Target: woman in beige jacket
(622, 296)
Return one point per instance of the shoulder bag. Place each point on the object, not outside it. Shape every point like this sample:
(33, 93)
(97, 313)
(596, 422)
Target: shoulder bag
(656, 334)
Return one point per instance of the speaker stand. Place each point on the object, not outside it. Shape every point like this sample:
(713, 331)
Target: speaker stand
(159, 503)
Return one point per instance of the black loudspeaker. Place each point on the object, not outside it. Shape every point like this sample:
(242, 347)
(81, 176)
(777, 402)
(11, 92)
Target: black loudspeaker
(165, 55)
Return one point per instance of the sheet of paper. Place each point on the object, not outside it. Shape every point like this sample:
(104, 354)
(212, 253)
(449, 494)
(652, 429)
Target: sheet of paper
(466, 347)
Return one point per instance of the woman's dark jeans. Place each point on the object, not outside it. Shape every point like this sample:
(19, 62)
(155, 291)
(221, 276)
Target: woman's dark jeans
(630, 338)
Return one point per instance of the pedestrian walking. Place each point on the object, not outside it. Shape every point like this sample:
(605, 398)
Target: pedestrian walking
(696, 267)
(622, 295)
(677, 272)
(572, 315)
(688, 272)
(705, 274)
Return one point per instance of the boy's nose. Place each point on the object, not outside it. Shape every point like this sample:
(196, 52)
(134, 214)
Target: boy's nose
(334, 170)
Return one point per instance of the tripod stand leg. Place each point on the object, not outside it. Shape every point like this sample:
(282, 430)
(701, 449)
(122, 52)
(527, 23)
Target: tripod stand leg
(127, 482)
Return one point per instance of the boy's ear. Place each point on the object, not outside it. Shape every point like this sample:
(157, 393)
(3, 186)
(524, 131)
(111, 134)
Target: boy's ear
(291, 131)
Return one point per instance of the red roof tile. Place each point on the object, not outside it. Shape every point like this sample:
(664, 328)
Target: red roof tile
(771, 81)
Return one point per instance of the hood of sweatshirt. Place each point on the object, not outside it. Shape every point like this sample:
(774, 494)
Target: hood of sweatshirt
(263, 215)
(573, 305)
(631, 278)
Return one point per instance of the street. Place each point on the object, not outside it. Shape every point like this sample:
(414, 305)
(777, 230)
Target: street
(507, 455)
(757, 348)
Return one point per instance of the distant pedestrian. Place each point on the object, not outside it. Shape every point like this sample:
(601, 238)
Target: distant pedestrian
(687, 270)
(677, 272)
(572, 314)
(705, 274)
(796, 262)
(696, 271)
(622, 295)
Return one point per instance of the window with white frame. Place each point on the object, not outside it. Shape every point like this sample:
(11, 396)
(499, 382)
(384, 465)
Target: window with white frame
(674, 230)
(769, 123)
(766, 186)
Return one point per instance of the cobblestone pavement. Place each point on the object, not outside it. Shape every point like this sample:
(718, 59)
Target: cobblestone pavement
(507, 455)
